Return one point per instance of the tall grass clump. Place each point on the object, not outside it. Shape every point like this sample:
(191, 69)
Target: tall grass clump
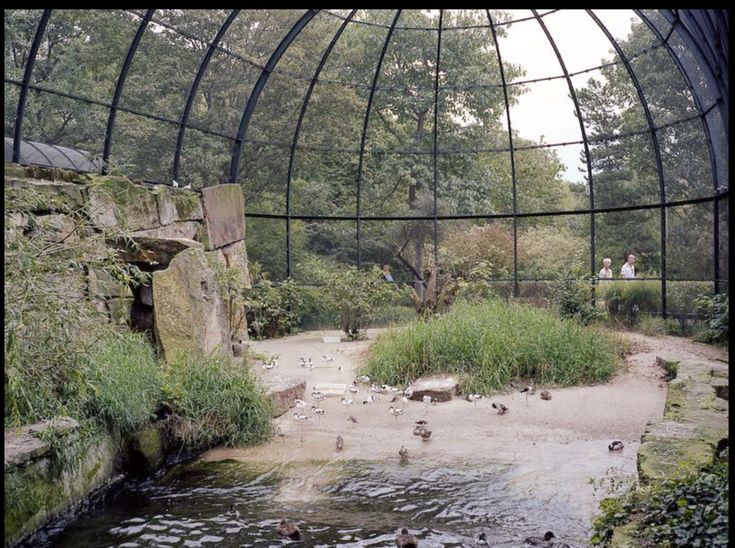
(490, 344)
(127, 378)
(215, 401)
(628, 300)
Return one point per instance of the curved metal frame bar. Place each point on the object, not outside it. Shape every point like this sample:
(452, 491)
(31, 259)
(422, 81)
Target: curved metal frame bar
(119, 87)
(708, 137)
(258, 89)
(516, 287)
(578, 110)
(656, 151)
(203, 65)
(297, 131)
(364, 130)
(436, 138)
(20, 113)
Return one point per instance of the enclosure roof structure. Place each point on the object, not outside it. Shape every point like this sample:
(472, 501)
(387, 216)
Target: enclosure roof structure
(41, 154)
(261, 97)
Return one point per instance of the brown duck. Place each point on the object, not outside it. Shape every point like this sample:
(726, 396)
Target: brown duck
(288, 529)
(406, 540)
(340, 443)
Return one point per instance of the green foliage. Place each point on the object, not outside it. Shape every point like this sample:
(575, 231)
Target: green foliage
(490, 344)
(215, 401)
(688, 512)
(358, 296)
(655, 325)
(627, 300)
(574, 300)
(273, 310)
(316, 312)
(716, 315)
(127, 381)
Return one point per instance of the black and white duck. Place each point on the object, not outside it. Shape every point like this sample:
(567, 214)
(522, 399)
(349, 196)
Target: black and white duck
(406, 540)
(616, 445)
(288, 529)
(232, 512)
(541, 541)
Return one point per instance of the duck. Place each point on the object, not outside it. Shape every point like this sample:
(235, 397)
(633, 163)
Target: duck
(288, 529)
(541, 541)
(472, 398)
(317, 411)
(403, 452)
(327, 358)
(300, 403)
(302, 362)
(500, 407)
(395, 411)
(364, 379)
(425, 434)
(353, 389)
(232, 512)
(545, 395)
(418, 429)
(300, 417)
(352, 419)
(340, 443)
(406, 540)
(616, 445)
(482, 540)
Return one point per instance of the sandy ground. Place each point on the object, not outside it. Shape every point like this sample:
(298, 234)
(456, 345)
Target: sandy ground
(558, 444)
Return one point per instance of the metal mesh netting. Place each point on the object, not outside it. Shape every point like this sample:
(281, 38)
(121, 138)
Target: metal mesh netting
(355, 133)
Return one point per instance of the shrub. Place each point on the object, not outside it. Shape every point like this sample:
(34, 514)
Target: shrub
(272, 310)
(542, 249)
(688, 512)
(654, 325)
(127, 380)
(715, 313)
(465, 247)
(492, 343)
(627, 300)
(316, 312)
(215, 401)
(574, 300)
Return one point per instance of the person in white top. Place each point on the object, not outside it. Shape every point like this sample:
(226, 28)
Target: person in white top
(628, 269)
(606, 272)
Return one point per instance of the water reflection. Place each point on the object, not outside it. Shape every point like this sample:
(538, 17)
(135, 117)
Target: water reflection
(334, 504)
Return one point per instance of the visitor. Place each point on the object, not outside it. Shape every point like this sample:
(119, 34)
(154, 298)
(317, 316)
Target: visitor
(386, 273)
(628, 269)
(606, 272)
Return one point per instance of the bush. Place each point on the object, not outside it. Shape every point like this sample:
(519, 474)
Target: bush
(127, 380)
(215, 401)
(465, 247)
(574, 300)
(272, 310)
(715, 313)
(316, 312)
(492, 343)
(654, 326)
(627, 300)
(688, 512)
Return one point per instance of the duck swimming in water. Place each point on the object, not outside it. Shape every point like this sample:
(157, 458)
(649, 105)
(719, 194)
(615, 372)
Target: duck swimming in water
(406, 540)
(232, 512)
(541, 541)
(482, 540)
(288, 529)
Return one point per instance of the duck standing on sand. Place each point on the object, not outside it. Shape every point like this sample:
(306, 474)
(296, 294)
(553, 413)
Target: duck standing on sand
(288, 529)
(403, 452)
(502, 409)
(340, 443)
(545, 395)
(425, 434)
(406, 540)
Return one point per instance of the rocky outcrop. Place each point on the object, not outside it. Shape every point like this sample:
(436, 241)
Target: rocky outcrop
(190, 314)
(282, 391)
(224, 214)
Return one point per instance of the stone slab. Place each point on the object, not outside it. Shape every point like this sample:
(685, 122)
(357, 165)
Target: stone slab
(117, 201)
(53, 195)
(166, 205)
(21, 447)
(331, 388)
(101, 284)
(182, 229)
(188, 205)
(224, 212)
(160, 251)
(440, 388)
(282, 391)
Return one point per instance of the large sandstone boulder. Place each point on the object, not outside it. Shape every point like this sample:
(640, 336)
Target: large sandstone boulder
(181, 229)
(53, 195)
(190, 313)
(116, 201)
(224, 212)
(147, 249)
(282, 391)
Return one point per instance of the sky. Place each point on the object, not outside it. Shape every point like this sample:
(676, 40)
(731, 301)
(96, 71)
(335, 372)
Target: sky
(546, 108)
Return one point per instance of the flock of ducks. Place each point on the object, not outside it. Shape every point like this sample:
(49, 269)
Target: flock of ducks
(404, 539)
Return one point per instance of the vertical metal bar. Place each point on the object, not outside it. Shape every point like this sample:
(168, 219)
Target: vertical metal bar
(436, 144)
(364, 131)
(708, 137)
(119, 87)
(656, 150)
(578, 110)
(21, 111)
(258, 88)
(203, 65)
(304, 106)
(512, 156)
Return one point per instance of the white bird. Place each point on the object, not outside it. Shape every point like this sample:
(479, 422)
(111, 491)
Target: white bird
(353, 389)
(327, 358)
(391, 388)
(395, 411)
(232, 512)
(317, 411)
(187, 187)
(371, 399)
(310, 365)
(318, 396)
(271, 365)
(345, 401)
(426, 399)
(300, 403)
(364, 379)
(300, 417)
(408, 392)
(377, 389)
(175, 183)
(302, 362)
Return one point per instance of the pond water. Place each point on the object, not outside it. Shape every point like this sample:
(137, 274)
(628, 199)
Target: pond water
(335, 503)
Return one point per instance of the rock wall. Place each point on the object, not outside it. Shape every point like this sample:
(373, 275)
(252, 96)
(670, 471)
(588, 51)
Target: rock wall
(178, 235)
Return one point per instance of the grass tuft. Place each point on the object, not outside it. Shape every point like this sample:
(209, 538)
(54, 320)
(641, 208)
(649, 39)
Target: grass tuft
(490, 344)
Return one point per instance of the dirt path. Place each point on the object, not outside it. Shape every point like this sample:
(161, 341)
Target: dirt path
(554, 445)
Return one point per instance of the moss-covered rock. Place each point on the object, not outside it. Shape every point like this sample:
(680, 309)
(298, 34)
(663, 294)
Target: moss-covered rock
(43, 196)
(625, 536)
(147, 449)
(188, 205)
(116, 201)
